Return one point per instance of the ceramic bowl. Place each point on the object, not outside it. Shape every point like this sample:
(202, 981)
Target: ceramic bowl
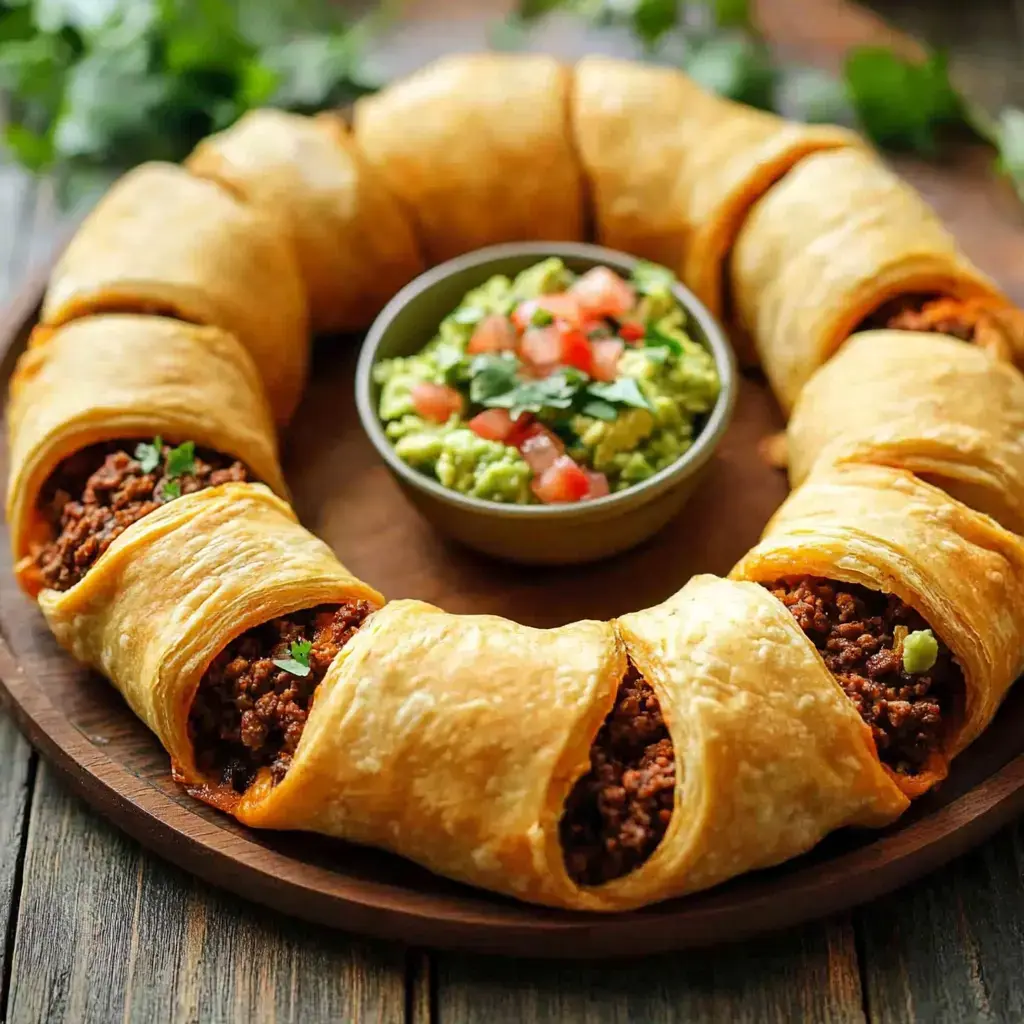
(536, 534)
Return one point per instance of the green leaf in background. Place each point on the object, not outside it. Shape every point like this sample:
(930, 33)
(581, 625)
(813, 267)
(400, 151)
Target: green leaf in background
(901, 103)
(112, 99)
(1010, 146)
(31, 149)
(653, 18)
(734, 65)
(732, 13)
(814, 96)
(530, 9)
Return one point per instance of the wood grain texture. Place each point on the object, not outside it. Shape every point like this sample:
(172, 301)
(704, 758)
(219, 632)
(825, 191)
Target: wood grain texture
(809, 974)
(951, 947)
(17, 775)
(107, 932)
(975, 903)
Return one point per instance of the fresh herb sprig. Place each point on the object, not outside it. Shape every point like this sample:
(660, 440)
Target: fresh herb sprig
(298, 663)
(109, 83)
(495, 382)
(180, 461)
(900, 103)
(149, 455)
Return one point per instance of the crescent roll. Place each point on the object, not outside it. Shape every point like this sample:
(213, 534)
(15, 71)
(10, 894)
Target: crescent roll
(414, 744)
(120, 376)
(353, 241)
(162, 241)
(946, 411)
(888, 531)
(674, 169)
(477, 147)
(838, 237)
(177, 586)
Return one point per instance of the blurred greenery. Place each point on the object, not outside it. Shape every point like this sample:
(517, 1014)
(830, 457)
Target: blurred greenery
(107, 83)
(93, 83)
(900, 104)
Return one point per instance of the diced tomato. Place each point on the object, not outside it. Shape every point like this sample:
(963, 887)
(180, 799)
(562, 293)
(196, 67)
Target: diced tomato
(576, 351)
(540, 349)
(492, 425)
(541, 448)
(598, 484)
(631, 330)
(562, 481)
(601, 292)
(522, 427)
(561, 305)
(606, 358)
(493, 334)
(436, 402)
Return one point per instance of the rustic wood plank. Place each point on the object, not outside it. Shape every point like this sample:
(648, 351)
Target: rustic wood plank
(951, 946)
(809, 974)
(107, 932)
(17, 760)
(17, 775)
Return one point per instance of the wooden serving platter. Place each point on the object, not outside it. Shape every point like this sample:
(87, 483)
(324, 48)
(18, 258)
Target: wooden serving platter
(345, 495)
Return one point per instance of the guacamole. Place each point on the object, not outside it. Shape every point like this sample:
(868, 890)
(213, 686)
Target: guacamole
(551, 387)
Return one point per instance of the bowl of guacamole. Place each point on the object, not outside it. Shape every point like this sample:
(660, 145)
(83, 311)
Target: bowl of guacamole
(545, 402)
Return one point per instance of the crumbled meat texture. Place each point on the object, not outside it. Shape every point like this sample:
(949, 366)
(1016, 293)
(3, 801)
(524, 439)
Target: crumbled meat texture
(1000, 329)
(248, 713)
(854, 629)
(96, 494)
(954, 317)
(617, 813)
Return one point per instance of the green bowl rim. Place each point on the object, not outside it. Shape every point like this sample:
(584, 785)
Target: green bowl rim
(688, 463)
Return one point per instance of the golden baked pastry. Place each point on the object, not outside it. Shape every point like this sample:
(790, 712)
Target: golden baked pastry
(163, 241)
(123, 376)
(354, 243)
(477, 148)
(948, 412)
(888, 531)
(832, 242)
(864, 642)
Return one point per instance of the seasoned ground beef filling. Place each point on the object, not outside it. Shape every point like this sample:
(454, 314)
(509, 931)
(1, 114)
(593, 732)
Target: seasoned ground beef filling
(617, 813)
(249, 713)
(1000, 331)
(854, 629)
(95, 495)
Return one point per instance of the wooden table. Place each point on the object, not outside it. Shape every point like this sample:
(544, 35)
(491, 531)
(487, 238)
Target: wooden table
(95, 929)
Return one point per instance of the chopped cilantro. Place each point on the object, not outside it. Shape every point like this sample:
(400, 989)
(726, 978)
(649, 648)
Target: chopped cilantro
(658, 339)
(648, 277)
(491, 375)
(556, 391)
(149, 455)
(541, 318)
(170, 490)
(599, 409)
(298, 663)
(181, 460)
(621, 391)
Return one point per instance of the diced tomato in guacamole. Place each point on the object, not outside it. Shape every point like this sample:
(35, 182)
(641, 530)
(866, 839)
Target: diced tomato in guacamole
(552, 387)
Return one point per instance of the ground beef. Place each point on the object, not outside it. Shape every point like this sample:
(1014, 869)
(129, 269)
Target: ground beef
(617, 813)
(1000, 331)
(248, 713)
(96, 494)
(854, 630)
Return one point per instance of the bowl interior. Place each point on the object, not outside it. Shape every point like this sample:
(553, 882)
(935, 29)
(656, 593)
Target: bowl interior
(412, 317)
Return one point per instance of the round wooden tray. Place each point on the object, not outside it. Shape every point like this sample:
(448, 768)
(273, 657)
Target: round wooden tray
(345, 495)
